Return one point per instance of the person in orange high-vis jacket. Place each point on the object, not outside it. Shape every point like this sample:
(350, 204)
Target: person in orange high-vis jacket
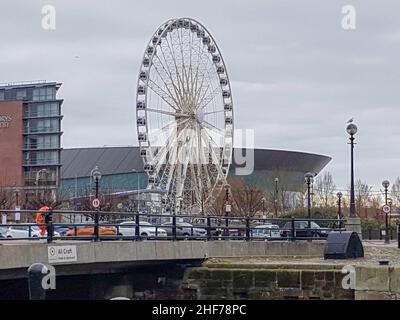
(40, 219)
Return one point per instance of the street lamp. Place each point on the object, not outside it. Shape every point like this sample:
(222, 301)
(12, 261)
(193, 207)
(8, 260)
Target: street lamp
(385, 184)
(96, 175)
(339, 195)
(352, 130)
(276, 197)
(309, 178)
(263, 206)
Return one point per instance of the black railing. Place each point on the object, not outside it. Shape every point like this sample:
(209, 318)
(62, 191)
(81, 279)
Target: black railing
(100, 225)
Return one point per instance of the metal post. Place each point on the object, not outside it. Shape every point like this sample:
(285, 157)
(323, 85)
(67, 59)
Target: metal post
(96, 216)
(385, 184)
(309, 207)
(398, 235)
(137, 227)
(352, 196)
(247, 228)
(276, 197)
(35, 278)
(208, 228)
(339, 195)
(174, 225)
(292, 230)
(48, 218)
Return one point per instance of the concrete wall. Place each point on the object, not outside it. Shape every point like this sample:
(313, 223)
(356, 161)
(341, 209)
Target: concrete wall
(22, 254)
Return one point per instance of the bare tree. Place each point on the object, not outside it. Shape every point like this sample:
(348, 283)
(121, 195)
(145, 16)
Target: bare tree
(324, 190)
(6, 198)
(247, 198)
(362, 194)
(395, 194)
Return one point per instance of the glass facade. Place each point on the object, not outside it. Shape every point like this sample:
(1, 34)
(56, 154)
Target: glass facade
(42, 130)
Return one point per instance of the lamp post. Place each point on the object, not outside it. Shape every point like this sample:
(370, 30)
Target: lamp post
(339, 195)
(352, 130)
(96, 175)
(385, 184)
(227, 188)
(309, 177)
(263, 206)
(276, 197)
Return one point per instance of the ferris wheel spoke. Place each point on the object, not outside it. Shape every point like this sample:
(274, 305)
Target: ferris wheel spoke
(208, 98)
(176, 89)
(169, 93)
(168, 113)
(179, 78)
(213, 112)
(207, 125)
(162, 94)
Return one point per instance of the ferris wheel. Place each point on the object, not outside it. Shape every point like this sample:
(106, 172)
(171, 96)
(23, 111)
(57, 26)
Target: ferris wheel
(184, 114)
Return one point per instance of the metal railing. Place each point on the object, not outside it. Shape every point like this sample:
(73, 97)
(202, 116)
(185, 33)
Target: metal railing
(135, 226)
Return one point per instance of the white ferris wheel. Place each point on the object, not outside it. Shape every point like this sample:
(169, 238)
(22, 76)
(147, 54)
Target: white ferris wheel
(184, 114)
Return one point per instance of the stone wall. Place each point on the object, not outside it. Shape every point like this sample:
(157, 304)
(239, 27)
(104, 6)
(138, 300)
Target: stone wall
(205, 283)
(377, 283)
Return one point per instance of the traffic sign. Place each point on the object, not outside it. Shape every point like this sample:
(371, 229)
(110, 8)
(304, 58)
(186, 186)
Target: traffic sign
(386, 209)
(96, 203)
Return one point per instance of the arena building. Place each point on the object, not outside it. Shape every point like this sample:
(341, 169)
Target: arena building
(123, 174)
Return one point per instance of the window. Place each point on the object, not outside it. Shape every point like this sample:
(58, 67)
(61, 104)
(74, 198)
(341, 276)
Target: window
(42, 158)
(42, 142)
(21, 94)
(46, 93)
(1, 94)
(42, 125)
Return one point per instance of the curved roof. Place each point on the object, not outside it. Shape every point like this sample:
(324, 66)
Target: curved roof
(118, 160)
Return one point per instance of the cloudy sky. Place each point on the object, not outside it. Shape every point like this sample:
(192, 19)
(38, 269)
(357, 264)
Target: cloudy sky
(297, 76)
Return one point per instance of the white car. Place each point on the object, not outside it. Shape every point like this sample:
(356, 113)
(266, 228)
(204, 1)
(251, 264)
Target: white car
(146, 229)
(20, 232)
(266, 231)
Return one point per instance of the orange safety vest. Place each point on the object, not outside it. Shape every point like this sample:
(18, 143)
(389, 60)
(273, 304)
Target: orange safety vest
(40, 219)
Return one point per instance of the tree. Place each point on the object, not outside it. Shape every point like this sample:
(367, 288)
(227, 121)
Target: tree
(324, 190)
(6, 198)
(362, 194)
(246, 197)
(395, 194)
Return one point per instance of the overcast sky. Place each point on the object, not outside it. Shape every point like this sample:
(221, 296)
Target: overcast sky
(297, 76)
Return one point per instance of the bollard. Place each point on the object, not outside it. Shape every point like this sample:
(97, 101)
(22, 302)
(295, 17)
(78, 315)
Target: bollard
(35, 278)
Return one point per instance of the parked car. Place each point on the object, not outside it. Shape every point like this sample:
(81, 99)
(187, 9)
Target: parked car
(302, 230)
(20, 232)
(146, 229)
(62, 230)
(85, 231)
(185, 230)
(266, 231)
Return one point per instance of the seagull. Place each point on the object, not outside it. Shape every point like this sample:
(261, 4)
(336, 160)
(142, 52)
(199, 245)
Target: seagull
(350, 120)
